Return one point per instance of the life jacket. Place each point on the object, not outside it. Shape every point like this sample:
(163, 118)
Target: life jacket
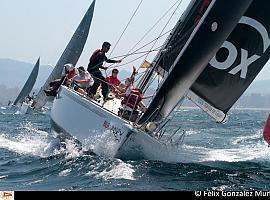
(113, 81)
(94, 55)
(94, 64)
(132, 99)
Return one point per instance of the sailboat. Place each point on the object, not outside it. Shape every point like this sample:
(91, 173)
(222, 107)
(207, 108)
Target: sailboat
(27, 88)
(210, 60)
(70, 55)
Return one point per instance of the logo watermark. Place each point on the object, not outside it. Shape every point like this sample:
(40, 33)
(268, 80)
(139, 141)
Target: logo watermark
(232, 193)
(6, 195)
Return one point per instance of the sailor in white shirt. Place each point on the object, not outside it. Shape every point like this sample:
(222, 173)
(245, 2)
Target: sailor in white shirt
(82, 80)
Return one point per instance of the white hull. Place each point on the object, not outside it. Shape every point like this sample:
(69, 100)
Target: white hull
(100, 130)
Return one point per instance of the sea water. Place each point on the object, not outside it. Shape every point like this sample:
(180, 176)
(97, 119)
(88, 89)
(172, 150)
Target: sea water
(219, 157)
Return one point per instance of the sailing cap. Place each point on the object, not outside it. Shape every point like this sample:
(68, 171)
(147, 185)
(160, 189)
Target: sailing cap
(69, 66)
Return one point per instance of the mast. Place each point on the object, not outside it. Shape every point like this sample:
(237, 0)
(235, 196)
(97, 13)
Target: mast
(212, 30)
(29, 84)
(71, 54)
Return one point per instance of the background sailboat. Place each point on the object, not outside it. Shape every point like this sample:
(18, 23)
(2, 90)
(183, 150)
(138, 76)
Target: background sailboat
(29, 84)
(71, 55)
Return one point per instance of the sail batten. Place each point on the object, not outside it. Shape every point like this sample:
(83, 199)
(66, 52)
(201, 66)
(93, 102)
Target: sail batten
(212, 30)
(71, 54)
(29, 84)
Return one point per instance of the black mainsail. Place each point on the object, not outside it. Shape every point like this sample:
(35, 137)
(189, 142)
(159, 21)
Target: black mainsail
(70, 55)
(212, 30)
(236, 64)
(29, 84)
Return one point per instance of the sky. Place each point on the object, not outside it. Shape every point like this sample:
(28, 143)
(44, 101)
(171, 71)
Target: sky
(31, 28)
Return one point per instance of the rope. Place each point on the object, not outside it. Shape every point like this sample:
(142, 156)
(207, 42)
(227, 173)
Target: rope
(180, 1)
(152, 27)
(149, 73)
(126, 27)
(147, 52)
(155, 40)
(161, 35)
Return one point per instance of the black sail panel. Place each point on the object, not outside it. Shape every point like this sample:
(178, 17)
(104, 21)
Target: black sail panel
(180, 35)
(239, 60)
(212, 30)
(29, 84)
(71, 54)
(177, 39)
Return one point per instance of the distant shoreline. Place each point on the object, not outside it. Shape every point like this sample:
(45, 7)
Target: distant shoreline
(254, 109)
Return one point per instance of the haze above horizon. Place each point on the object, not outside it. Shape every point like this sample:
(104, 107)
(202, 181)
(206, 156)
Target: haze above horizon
(31, 28)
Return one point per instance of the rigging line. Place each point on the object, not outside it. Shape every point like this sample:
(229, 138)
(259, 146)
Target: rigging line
(157, 49)
(151, 70)
(126, 27)
(143, 47)
(128, 77)
(153, 27)
(133, 60)
(153, 40)
(180, 1)
(126, 55)
(134, 52)
(145, 53)
(178, 42)
(127, 62)
(139, 76)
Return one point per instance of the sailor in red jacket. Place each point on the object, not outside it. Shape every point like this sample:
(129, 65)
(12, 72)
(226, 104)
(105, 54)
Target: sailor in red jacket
(96, 63)
(113, 81)
(133, 100)
(131, 103)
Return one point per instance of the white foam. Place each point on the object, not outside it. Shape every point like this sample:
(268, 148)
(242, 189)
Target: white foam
(65, 172)
(29, 140)
(102, 144)
(72, 150)
(119, 170)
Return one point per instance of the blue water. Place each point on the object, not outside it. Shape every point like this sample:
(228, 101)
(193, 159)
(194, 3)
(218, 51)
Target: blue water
(226, 157)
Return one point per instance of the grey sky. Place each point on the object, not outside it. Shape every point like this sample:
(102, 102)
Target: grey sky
(33, 28)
